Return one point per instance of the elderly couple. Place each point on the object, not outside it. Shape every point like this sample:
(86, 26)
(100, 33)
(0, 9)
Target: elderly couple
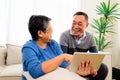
(42, 54)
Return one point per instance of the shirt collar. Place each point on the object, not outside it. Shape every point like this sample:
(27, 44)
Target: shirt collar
(83, 37)
(78, 41)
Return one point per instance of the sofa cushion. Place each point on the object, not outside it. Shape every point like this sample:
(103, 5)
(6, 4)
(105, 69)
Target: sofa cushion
(14, 55)
(12, 70)
(1, 68)
(2, 55)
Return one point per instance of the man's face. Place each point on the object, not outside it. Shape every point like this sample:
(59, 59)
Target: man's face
(79, 24)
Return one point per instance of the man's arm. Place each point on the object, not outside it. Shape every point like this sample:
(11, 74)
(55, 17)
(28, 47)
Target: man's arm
(64, 43)
(64, 49)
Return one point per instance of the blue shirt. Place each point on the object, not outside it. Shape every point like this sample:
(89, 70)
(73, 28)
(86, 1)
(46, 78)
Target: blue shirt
(33, 56)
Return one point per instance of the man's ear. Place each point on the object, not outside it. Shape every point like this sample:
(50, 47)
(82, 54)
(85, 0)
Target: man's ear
(87, 24)
(40, 33)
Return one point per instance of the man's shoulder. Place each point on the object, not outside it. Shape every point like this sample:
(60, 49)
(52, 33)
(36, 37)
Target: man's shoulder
(65, 36)
(66, 32)
(88, 34)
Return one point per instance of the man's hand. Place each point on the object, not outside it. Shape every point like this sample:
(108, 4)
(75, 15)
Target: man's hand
(85, 68)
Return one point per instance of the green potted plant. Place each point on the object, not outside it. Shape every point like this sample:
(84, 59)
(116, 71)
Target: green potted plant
(104, 26)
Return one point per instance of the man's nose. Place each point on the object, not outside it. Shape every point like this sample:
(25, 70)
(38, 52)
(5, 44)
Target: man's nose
(76, 25)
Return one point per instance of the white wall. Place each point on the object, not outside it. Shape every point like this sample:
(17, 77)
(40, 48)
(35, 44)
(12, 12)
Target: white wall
(89, 7)
(116, 38)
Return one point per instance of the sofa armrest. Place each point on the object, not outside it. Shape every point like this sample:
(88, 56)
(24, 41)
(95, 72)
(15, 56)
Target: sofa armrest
(3, 52)
(108, 61)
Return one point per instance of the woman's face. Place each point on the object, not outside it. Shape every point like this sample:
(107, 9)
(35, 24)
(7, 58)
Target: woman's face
(47, 36)
(48, 32)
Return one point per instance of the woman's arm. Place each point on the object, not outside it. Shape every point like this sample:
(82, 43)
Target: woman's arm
(52, 64)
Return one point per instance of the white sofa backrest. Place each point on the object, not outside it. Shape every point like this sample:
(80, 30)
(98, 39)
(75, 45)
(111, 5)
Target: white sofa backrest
(2, 55)
(14, 55)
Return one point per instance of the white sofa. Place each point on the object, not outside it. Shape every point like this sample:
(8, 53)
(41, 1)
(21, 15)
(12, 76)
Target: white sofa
(11, 67)
(10, 62)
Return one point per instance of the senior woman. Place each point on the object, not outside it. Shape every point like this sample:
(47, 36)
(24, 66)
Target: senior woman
(42, 54)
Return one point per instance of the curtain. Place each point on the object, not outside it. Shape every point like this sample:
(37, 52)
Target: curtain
(15, 14)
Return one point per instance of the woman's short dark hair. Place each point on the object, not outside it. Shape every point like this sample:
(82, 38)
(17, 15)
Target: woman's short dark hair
(37, 22)
(82, 13)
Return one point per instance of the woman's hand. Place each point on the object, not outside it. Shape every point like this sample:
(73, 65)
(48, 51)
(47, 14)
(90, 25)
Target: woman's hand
(85, 68)
(68, 57)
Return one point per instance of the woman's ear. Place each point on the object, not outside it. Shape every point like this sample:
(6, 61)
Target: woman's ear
(40, 33)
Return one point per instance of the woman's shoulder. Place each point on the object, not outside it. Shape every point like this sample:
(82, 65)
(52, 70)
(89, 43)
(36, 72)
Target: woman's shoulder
(53, 42)
(30, 44)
